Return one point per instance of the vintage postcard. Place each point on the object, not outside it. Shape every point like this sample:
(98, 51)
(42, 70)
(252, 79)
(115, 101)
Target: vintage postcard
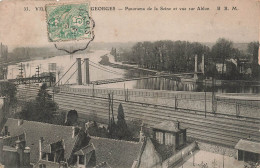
(129, 84)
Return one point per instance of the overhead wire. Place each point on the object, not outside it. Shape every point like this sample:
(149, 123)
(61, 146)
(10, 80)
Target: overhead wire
(105, 67)
(91, 62)
(65, 73)
(74, 72)
(116, 73)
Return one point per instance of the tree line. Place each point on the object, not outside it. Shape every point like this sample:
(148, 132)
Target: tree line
(179, 56)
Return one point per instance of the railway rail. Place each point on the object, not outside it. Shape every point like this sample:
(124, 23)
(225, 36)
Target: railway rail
(216, 128)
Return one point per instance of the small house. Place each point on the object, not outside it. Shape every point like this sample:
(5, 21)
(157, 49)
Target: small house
(248, 150)
(170, 133)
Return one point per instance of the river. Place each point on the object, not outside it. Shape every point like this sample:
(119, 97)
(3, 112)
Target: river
(100, 72)
(63, 63)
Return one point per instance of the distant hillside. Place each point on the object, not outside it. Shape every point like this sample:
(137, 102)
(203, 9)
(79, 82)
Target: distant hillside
(240, 46)
(128, 45)
(108, 46)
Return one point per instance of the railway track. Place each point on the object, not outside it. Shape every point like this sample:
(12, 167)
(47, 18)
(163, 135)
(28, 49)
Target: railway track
(216, 129)
(166, 114)
(234, 118)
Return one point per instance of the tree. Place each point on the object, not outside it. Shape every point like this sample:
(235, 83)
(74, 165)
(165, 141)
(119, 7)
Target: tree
(252, 49)
(72, 118)
(122, 130)
(8, 90)
(42, 109)
(221, 51)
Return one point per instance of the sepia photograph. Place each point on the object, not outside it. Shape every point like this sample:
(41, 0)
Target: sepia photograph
(129, 84)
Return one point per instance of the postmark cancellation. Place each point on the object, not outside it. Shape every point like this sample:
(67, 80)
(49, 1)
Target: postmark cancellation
(68, 22)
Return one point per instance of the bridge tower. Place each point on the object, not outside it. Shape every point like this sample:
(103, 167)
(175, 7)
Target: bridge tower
(86, 60)
(79, 71)
(203, 64)
(196, 67)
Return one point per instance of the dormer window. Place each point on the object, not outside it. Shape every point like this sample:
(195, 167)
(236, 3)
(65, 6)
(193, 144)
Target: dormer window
(170, 133)
(44, 156)
(159, 137)
(51, 157)
(81, 159)
(6, 131)
(169, 139)
(42, 166)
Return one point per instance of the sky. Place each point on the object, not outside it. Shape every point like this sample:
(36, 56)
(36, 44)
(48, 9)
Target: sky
(29, 28)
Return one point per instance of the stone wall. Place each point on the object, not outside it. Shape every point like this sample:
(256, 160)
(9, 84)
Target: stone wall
(150, 157)
(179, 155)
(217, 149)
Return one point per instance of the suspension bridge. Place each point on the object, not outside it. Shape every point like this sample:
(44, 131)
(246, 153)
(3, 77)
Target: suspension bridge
(51, 79)
(89, 63)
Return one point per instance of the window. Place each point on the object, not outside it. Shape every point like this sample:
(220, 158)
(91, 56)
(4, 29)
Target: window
(159, 137)
(169, 139)
(44, 156)
(81, 159)
(51, 157)
(6, 130)
(42, 166)
(181, 139)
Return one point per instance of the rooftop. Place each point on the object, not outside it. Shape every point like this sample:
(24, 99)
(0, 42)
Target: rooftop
(248, 146)
(85, 150)
(47, 164)
(116, 153)
(35, 130)
(168, 126)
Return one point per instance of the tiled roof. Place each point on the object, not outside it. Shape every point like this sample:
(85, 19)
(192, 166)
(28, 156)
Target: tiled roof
(47, 149)
(168, 126)
(164, 151)
(248, 146)
(85, 150)
(47, 164)
(102, 165)
(50, 133)
(116, 153)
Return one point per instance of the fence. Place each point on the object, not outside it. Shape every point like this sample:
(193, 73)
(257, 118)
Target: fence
(200, 101)
(179, 155)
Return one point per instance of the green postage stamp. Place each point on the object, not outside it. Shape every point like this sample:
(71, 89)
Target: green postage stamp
(67, 22)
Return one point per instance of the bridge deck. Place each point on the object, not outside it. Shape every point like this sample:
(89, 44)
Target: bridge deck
(115, 80)
(29, 80)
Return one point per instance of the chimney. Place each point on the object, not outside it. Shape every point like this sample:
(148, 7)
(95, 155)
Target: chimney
(26, 157)
(19, 148)
(18, 144)
(2, 110)
(20, 122)
(6, 133)
(142, 136)
(79, 71)
(73, 132)
(1, 149)
(40, 148)
(178, 124)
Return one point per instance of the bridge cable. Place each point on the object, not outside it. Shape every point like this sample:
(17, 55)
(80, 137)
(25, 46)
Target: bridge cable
(103, 67)
(116, 73)
(106, 69)
(73, 73)
(65, 73)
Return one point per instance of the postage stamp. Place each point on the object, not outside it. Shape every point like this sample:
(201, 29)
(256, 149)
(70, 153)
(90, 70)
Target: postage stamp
(66, 22)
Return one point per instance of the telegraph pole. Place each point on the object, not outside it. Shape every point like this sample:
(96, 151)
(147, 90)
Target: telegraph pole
(205, 98)
(21, 70)
(38, 72)
(112, 108)
(109, 124)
